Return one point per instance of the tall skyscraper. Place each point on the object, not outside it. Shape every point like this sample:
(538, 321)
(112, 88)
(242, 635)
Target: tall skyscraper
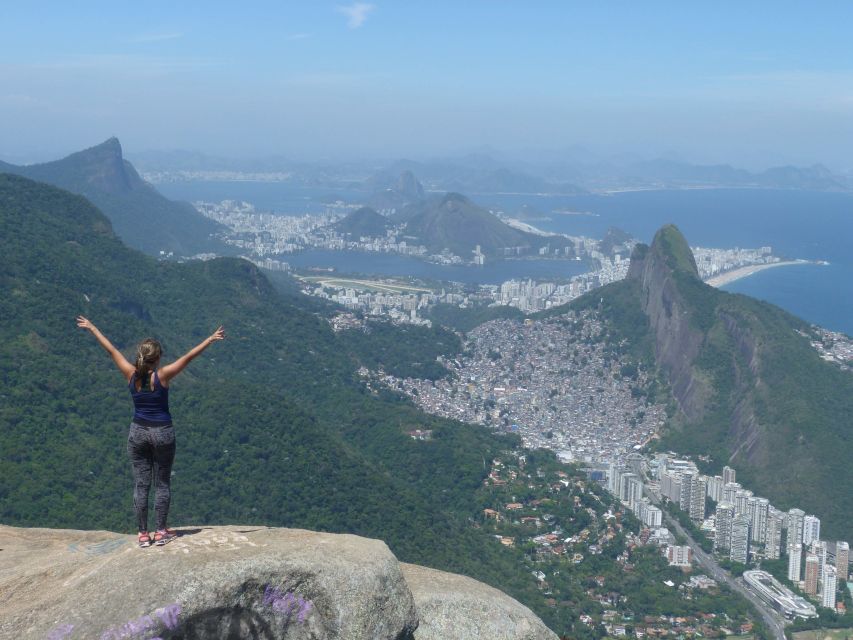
(812, 574)
(773, 539)
(728, 475)
(842, 560)
(740, 539)
(635, 491)
(715, 488)
(687, 480)
(795, 527)
(759, 508)
(697, 499)
(795, 559)
(723, 537)
(811, 529)
(818, 547)
(613, 478)
(828, 587)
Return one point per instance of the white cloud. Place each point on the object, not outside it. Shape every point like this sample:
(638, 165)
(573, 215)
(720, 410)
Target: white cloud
(356, 13)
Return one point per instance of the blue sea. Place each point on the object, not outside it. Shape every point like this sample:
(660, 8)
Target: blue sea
(797, 224)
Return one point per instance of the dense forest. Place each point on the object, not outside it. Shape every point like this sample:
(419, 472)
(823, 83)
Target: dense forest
(273, 425)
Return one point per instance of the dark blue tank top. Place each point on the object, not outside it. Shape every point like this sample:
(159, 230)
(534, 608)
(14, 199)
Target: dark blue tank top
(150, 408)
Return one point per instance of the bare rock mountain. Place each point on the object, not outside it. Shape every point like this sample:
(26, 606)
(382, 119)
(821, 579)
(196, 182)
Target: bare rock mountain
(239, 582)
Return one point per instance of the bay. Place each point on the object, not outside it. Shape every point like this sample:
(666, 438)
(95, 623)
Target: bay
(796, 224)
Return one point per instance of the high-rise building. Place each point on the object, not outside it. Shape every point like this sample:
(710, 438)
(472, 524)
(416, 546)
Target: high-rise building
(613, 478)
(795, 559)
(742, 497)
(697, 499)
(723, 536)
(635, 491)
(740, 539)
(653, 517)
(687, 480)
(829, 586)
(730, 490)
(811, 529)
(773, 539)
(842, 560)
(812, 574)
(624, 485)
(635, 462)
(818, 547)
(729, 475)
(795, 527)
(759, 508)
(670, 486)
(715, 488)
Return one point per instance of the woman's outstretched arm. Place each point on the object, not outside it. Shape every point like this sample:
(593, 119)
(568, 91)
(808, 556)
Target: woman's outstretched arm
(123, 365)
(171, 370)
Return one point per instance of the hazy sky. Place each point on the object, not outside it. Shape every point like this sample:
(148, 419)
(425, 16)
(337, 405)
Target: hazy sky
(752, 83)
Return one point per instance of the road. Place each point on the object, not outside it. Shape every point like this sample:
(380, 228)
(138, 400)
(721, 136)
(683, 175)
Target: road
(771, 618)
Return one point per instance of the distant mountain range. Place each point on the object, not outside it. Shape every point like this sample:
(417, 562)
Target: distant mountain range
(571, 171)
(746, 385)
(141, 216)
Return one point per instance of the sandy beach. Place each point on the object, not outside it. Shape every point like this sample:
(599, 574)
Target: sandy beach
(743, 272)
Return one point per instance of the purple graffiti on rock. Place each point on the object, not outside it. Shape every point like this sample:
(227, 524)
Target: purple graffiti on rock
(168, 616)
(287, 604)
(61, 632)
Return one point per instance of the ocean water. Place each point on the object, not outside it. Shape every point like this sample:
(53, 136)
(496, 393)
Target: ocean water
(797, 224)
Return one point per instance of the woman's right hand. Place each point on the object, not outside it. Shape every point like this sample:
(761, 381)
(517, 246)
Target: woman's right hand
(217, 335)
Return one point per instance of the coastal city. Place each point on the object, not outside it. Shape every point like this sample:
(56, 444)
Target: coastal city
(582, 547)
(267, 238)
(741, 528)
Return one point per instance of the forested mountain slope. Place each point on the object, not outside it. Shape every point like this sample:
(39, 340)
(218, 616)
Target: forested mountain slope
(273, 425)
(747, 386)
(141, 216)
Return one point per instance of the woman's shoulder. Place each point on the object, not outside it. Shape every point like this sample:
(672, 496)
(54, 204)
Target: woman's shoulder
(159, 382)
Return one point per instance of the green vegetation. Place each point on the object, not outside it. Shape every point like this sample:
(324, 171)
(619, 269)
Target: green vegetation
(142, 217)
(593, 569)
(766, 386)
(274, 427)
(405, 351)
(465, 320)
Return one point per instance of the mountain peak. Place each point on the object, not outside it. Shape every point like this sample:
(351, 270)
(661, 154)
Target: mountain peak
(669, 246)
(452, 198)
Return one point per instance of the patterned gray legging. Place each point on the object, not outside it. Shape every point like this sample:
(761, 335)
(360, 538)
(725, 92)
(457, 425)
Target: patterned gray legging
(147, 446)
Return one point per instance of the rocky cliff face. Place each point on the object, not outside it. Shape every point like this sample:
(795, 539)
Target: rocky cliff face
(677, 340)
(238, 582)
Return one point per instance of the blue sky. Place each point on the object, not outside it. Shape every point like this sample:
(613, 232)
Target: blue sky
(752, 83)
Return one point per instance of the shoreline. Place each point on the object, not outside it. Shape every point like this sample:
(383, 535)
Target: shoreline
(728, 277)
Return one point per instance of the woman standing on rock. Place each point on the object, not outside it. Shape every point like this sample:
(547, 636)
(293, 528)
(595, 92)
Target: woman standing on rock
(152, 437)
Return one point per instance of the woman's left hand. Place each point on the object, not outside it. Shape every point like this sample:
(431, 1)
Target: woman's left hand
(84, 323)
